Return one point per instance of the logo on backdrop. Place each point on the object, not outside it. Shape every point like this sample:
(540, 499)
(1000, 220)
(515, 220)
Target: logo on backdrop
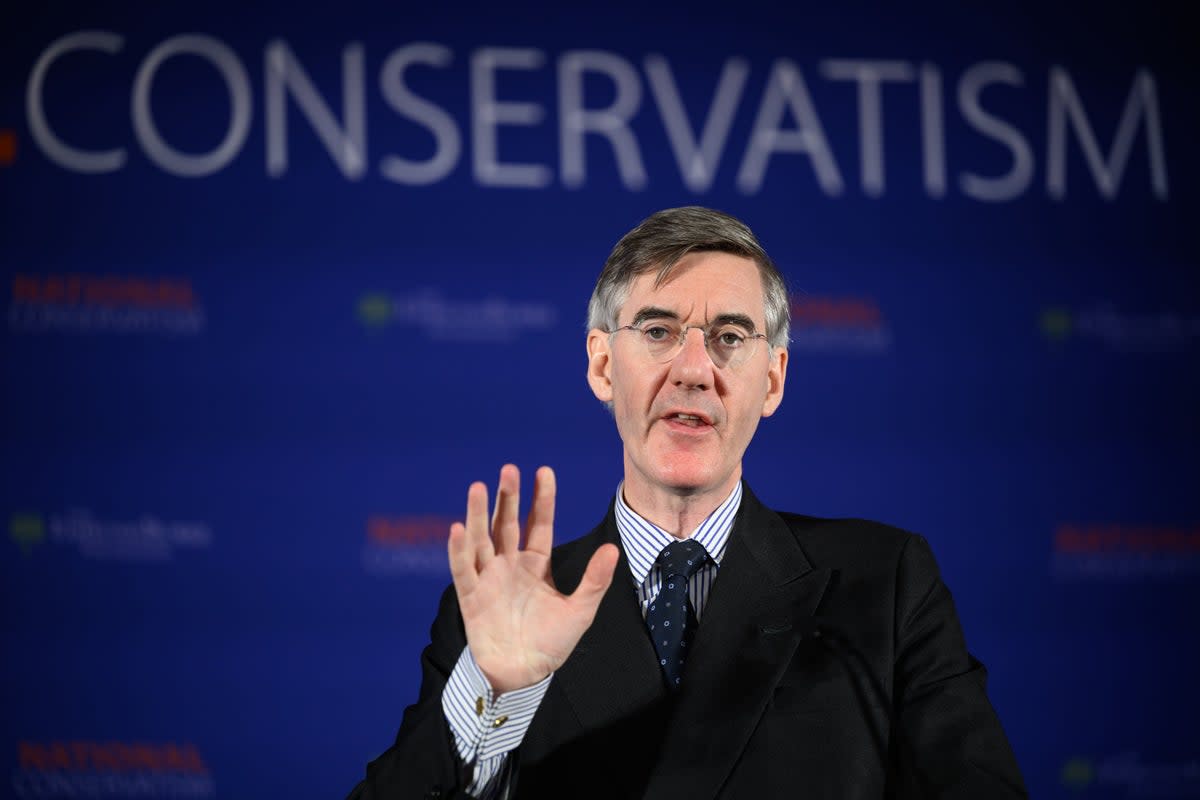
(490, 319)
(839, 325)
(406, 545)
(1120, 552)
(947, 108)
(1121, 331)
(111, 769)
(1128, 775)
(85, 304)
(144, 539)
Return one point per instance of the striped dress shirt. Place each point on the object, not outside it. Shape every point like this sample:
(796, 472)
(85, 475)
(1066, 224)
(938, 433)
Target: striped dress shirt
(642, 541)
(488, 726)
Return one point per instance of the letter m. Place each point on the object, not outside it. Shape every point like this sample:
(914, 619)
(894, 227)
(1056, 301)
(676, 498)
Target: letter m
(1066, 108)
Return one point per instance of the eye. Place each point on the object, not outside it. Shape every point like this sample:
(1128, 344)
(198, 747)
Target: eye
(657, 333)
(729, 339)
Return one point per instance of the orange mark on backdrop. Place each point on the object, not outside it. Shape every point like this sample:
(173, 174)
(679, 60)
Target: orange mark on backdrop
(111, 756)
(8, 147)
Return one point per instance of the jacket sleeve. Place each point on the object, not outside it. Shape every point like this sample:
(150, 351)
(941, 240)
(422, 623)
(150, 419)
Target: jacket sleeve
(423, 762)
(949, 732)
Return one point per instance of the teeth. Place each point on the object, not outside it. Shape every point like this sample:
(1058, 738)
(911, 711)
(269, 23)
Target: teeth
(687, 417)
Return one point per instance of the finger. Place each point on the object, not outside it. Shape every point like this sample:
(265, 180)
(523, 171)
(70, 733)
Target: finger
(462, 560)
(540, 527)
(506, 529)
(596, 580)
(478, 540)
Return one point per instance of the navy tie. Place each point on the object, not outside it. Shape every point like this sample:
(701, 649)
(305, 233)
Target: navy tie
(670, 618)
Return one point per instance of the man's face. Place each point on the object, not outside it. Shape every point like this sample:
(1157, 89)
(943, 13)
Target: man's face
(666, 452)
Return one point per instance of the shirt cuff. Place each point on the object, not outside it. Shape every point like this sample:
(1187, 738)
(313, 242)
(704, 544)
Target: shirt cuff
(486, 725)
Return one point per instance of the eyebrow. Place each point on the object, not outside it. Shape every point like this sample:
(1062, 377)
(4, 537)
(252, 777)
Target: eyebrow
(654, 312)
(741, 320)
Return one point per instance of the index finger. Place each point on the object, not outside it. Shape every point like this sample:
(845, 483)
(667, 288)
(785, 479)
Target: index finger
(540, 537)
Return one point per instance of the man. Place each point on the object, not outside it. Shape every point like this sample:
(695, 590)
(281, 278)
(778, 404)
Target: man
(705, 646)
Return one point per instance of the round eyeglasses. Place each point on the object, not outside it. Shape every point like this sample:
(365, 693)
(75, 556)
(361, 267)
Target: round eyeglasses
(728, 345)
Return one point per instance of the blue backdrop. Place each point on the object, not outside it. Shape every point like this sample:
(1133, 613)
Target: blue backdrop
(279, 285)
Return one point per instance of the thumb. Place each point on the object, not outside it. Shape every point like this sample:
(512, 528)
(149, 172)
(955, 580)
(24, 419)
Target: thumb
(596, 580)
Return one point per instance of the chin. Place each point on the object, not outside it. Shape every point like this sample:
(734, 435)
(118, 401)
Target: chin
(689, 478)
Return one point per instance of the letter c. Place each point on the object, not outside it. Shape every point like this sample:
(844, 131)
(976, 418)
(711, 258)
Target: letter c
(54, 148)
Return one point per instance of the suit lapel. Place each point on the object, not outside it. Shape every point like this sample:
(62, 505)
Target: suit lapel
(742, 648)
(613, 672)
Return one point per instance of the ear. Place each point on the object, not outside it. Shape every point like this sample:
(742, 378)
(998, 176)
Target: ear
(776, 375)
(599, 365)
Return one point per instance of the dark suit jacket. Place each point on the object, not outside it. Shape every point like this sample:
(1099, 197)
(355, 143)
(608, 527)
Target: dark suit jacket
(763, 711)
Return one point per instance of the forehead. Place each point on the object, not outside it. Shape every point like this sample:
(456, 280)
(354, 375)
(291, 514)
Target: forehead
(701, 286)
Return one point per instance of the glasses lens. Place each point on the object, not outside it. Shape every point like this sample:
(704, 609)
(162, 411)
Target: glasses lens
(662, 341)
(726, 346)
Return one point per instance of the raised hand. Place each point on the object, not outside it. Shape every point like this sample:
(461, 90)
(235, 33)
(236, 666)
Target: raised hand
(520, 628)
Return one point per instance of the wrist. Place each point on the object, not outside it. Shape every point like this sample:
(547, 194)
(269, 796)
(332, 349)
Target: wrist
(502, 683)
(506, 676)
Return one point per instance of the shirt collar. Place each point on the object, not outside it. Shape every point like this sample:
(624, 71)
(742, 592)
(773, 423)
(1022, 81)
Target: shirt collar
(643, 540)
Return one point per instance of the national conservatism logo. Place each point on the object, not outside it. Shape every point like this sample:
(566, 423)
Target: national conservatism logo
(107, 769)
(76, 303)
(406, 545)
(839, 325)
(1125, 552)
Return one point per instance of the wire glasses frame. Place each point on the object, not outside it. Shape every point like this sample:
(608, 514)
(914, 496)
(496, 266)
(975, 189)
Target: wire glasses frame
(728, 346)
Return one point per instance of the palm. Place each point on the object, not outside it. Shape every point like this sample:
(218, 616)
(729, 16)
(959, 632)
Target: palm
(519, 627)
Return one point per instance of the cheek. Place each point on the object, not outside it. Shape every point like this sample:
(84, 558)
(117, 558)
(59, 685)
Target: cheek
(634, 392)
(632, 401)
(749, 412)
(623, 409)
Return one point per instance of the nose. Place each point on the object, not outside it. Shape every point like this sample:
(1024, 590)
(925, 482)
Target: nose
(692, 368)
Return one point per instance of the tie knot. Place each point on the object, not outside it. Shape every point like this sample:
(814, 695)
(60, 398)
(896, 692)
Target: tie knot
(682, 558)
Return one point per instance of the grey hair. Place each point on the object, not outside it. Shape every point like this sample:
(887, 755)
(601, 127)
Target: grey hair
(665, 237)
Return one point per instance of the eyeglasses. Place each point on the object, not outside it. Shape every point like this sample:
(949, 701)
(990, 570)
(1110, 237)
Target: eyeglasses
(727, 345)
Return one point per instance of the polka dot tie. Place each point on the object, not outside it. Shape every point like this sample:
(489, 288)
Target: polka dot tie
(670, 618)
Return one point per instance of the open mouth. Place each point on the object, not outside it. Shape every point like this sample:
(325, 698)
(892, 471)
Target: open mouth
(690, 420)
